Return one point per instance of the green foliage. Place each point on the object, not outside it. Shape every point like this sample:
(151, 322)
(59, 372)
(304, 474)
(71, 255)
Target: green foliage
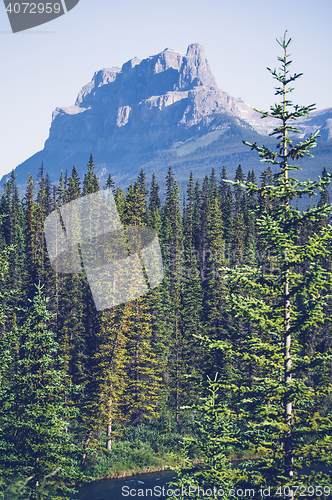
(220, 309)
(34, 436)
(217, 433)
(142, 448)
(90, 183)
(286, 302)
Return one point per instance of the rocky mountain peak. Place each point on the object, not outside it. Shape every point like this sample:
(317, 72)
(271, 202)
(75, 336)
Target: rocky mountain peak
(147, 104)
(195, 69)
(167, 105)
(159, 97)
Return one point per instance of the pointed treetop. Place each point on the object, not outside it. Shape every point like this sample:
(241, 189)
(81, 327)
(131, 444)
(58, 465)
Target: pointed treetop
(90, 183)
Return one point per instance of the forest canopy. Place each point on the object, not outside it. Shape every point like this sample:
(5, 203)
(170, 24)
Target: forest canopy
(232, 350)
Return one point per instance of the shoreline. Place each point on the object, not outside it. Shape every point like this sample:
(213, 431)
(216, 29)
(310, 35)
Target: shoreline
(148, 470)
(130, 474)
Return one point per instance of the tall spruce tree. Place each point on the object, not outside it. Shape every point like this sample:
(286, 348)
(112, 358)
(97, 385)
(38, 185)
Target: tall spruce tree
(141, 394)
(192, 299)
(111, 359)
(110, 184)
(74, 190)
(275, 392)
(283, 304)
(89, 417)
(154, 213)
(90, 183)
(12, 232)
(35, 444)
(172, 239)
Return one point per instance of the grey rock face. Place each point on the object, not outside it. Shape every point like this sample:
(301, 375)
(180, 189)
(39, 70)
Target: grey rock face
(165, 109)
(195, 69)
(155, 100)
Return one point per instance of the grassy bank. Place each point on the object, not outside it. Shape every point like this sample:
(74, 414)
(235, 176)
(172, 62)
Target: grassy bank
(146, 449)
(139, 450)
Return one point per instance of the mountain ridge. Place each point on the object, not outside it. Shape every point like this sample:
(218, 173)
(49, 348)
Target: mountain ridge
(164, 109)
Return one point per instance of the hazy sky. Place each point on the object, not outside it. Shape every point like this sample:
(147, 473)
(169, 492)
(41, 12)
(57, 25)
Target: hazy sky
(47, 66)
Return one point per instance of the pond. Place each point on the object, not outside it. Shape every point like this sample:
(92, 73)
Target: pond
(136, 486)
(126, 487)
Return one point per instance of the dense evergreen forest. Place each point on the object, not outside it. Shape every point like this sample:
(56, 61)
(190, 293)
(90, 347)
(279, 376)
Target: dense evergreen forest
(99, 373)
(202, 364)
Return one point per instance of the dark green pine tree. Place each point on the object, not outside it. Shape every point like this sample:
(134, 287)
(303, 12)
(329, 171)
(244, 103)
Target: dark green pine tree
(285, 418)
(214, 317)
(239, 220)
(43, 270)
(172, 240)
(154, 201)
(324, 199)
(48, 195)
(154, 207)
(120, 201)
(33, 241)
(324, 195)
(110, 184)
(191, 296)
(111, 360)
(60, 193)
(141, 181)
(143, 371)
(227, 209)
(8, 310)
(36, 444)
(267, 180)
(70, 290)
(41, 195)
(159, 306)
(90, 183)
(135, 207)
(197, 221)
(91, 320)
(223, 188)
(250, 208)
(159, 302)
(212, 183)
(141, 397)
(188, 217)
(203, 250)
(74, 190)
(12, 232)
(239, 194)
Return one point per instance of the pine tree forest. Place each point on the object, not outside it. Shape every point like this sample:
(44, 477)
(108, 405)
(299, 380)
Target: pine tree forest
(229, 358)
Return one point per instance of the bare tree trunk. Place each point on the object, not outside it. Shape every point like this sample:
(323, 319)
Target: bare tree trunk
(288, 378)
(287, 335)
(86, 444)
(109, 429)
(109, 434)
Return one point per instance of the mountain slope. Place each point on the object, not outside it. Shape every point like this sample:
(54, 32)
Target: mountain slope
(165, 109)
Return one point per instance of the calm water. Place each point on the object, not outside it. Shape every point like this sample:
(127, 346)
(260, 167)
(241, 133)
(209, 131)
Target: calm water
(116, 489)
(111, 489)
